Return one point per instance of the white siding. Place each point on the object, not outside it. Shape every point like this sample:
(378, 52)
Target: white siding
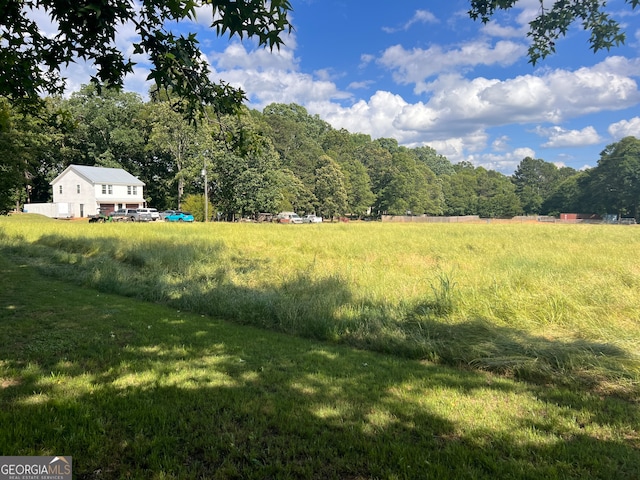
(120, 194)
(65, 190)
(52, 210)
(85, 198)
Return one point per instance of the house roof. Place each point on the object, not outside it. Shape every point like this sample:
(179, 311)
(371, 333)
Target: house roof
(97, 175)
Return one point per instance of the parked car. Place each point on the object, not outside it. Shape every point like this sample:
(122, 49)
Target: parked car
(166, 213)
(151, 211)
(130, 215)
(179, 217)
(289, 217)
(311, 219)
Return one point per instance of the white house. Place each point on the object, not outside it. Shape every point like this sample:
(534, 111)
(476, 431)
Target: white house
(81, 191)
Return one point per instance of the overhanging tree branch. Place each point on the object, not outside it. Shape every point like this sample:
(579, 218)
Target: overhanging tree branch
(554, 20)
(31, 60)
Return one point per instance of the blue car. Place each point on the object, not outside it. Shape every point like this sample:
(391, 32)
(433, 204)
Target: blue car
(179, 217)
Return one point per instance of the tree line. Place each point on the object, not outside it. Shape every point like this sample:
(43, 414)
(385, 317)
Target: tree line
(284, 159)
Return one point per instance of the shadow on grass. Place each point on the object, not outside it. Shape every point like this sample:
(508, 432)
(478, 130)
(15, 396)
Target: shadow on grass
(481, 344)
(202, 276)
(134, 390)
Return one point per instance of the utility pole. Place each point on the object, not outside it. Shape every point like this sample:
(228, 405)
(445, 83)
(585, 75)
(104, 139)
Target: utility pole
(206, 189)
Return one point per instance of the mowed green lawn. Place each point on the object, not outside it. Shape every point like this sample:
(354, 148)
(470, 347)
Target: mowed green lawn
(321, 351)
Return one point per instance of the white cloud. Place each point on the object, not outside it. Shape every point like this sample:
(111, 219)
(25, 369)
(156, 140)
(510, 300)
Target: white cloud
(204, 15)
(505, 163)
(126, 36)
(457, 149)
(366, 59)
(325, 74)
(264, 87)
(423, 16)
(494, 29)
(359, 85)
(453, 148)
(76, 75)
(236, 56)
(560, 137)
(555, 96)
(137, 82)
(417, 65)
(606, 86)
(374, 117)
(625, 128)
(529, 9)
(500, 144)
(455, 118)
(420, 16)
(272, 76)
(620, 66)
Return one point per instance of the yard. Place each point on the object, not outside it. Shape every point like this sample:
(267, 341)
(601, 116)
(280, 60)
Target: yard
(333, 351)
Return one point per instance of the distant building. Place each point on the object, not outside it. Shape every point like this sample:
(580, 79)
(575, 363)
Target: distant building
(81, 191)
(581, 218)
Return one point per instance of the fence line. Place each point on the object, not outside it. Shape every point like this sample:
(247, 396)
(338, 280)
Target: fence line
(517, 219)
(429, 219)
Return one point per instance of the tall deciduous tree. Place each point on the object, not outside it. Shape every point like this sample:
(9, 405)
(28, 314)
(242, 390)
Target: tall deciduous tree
(535, 181)
(329, 189)
(30, 149)
(296, 136)
(107, 133)
(245, 168)
(170, 145)
(360, 198)
(477, 191)
(569, 196)
(438, 164)
(410, 187)
(378, 163)
(459, 191)
(616, 179)
(343, 146)
(13, 167)
(294, 195)
(496, 195)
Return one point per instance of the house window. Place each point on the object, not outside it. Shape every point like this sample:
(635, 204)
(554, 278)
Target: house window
(128, 189)
(78, 188)
(60, 189)
(135, 190)
(104, 189)
(110, 189)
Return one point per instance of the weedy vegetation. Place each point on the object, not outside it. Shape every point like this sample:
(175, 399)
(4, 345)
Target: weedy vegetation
(360, 350)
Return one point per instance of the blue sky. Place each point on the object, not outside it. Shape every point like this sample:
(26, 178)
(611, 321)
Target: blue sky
(424, 73)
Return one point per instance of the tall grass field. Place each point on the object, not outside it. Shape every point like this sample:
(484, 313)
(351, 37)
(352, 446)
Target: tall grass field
(351, 350)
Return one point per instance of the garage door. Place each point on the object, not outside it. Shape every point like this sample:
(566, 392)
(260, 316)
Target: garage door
(106, 208)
